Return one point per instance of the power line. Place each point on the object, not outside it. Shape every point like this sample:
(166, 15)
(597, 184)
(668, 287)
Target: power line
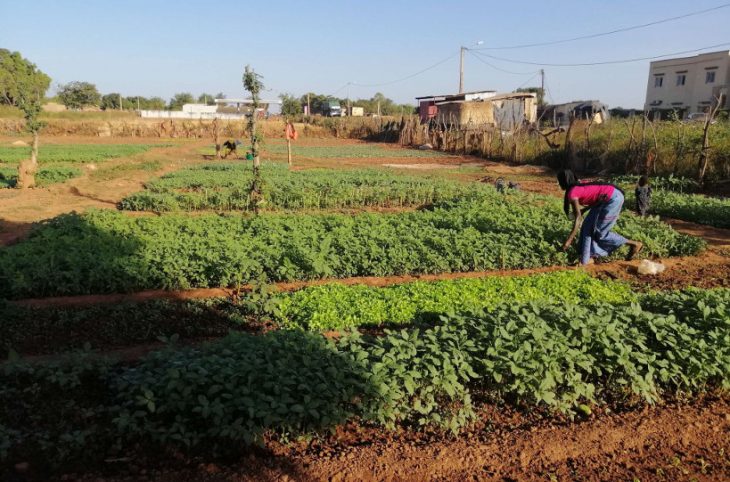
(339, 89)
(610, 32)
(475, 54)
(607, 62)
(408, 76)
(528, 80)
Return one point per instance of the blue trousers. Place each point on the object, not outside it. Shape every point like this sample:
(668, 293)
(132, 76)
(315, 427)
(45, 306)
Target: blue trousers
(596, 237)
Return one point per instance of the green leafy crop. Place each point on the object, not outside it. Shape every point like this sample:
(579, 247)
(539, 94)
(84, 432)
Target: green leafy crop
(336, 306)
(74, 152)
(106, 251)
(215, 398)
(226, 187)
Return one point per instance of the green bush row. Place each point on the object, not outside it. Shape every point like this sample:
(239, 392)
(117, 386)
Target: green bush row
(217, 397)
(106, 251)
(227, 187)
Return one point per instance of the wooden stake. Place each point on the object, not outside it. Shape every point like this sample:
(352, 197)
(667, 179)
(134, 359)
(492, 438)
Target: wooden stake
(288, 151)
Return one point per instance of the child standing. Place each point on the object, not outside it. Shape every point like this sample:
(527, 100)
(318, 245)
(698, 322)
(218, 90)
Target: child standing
(643, 196)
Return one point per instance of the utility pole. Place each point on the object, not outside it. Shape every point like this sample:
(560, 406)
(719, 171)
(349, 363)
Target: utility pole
(309, 107)
(120, 101)
(542, 84)
(137, 102)
(461, 65)
(461, 70)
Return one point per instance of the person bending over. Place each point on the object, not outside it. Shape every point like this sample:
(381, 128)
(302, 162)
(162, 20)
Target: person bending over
(604, 202)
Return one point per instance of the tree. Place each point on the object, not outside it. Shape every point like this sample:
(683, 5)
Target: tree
(181, 99)
(155, 103)
(206, 99)
(23, 85)
(110, 101)
(254, 85)
(77, 95)
(290, 105)
(535, 90)
(316, 102)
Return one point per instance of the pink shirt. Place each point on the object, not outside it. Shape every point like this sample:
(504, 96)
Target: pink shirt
(591, 194)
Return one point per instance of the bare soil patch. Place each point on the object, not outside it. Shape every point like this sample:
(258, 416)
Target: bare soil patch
(665, 443)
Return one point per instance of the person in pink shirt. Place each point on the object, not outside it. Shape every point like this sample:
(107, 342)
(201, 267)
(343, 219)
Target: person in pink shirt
(604, 202)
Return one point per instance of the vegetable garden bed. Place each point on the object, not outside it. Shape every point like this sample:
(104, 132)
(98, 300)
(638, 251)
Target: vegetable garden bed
(33, 330)
(79, 153)
(675, 197)
(214, 399)
(106, 251)
(227, 187)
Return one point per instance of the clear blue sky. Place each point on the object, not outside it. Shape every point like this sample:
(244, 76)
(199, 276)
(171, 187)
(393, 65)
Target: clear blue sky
(156, 47)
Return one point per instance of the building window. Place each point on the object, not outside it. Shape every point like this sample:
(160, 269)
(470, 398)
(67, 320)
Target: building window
(681, 79)
(710, 77)
(658, 81)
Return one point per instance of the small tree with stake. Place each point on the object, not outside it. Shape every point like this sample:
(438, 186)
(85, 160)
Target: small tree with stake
(252, 83)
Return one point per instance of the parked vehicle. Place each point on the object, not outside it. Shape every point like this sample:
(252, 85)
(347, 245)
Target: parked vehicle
(332, 108)
(699, 117)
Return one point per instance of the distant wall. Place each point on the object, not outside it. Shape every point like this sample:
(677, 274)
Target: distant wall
(176, 114)
(89, 125)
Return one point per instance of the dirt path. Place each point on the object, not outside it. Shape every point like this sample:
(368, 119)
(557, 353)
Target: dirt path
(671, 443)
(716, 238)
(636, 445)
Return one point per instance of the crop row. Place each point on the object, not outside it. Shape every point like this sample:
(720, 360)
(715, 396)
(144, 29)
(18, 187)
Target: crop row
(335, 306)
(672, 197)
(47, 175)
(218, 397)
(106, 251)
(74, 152)
(690, 207)
(332, 306)
(343, 151)
(227, 187)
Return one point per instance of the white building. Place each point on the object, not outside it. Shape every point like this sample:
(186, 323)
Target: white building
(228, 109)
(688, 84)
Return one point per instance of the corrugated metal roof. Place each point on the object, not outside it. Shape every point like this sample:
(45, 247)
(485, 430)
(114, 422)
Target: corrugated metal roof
(456, 95)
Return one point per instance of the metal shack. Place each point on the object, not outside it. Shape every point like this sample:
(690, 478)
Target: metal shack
(561, 114)
(504, 111)
(428, 105)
